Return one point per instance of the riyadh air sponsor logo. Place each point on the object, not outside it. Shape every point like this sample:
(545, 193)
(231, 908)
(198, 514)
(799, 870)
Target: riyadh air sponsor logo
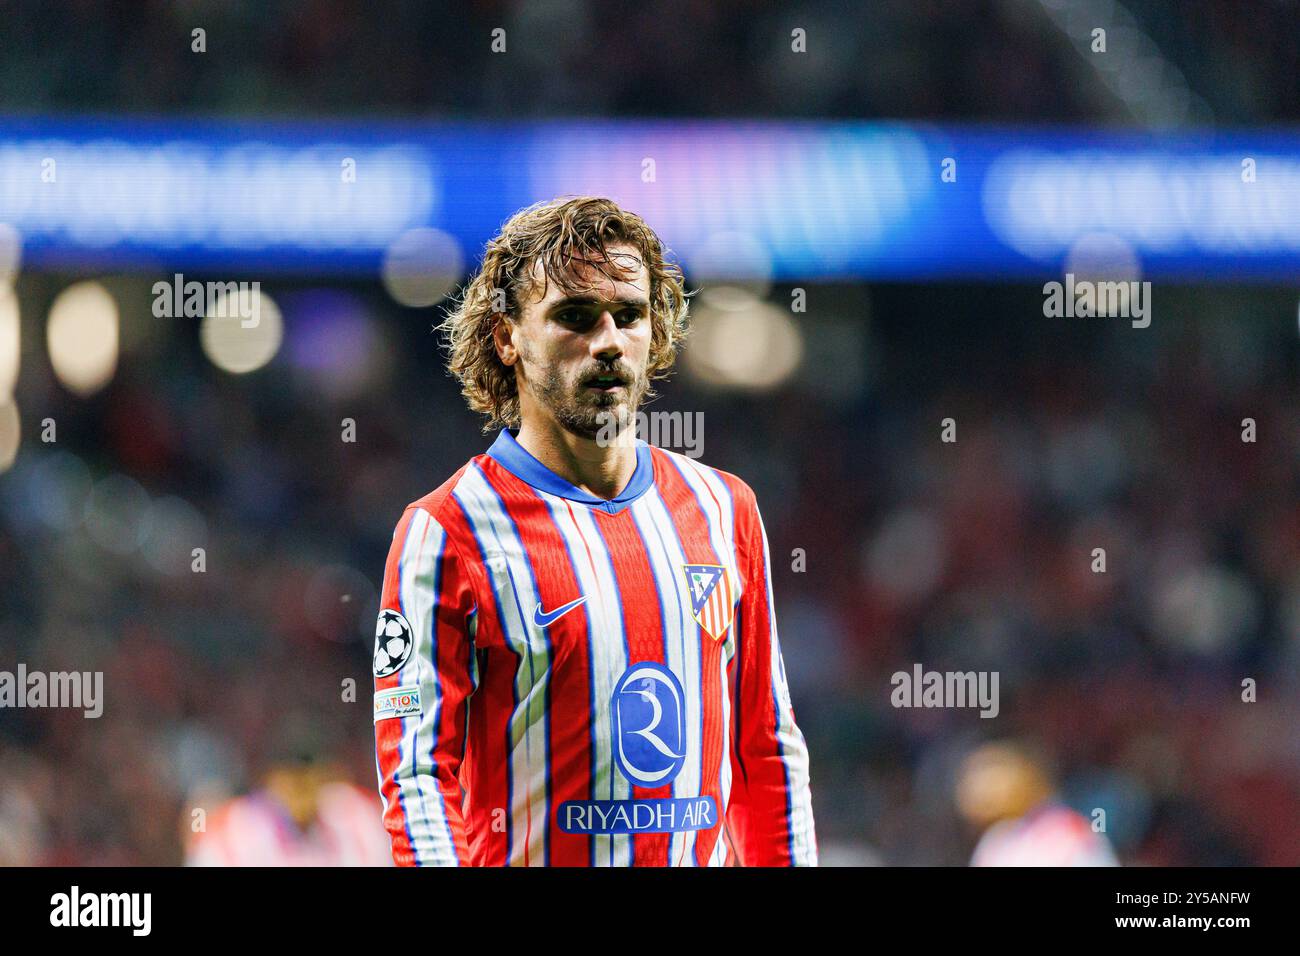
(649, 714)
(648, 711)
(603, 817)
(547, 618)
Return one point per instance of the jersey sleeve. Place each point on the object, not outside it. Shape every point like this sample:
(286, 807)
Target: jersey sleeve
(424, 676)
(769, 815)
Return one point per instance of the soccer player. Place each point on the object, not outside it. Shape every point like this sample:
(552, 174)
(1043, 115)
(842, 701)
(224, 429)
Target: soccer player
(303, 815)
(1008, 794)
(577, 660)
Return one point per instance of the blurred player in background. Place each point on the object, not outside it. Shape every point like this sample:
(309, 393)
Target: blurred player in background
(304, 815)
(1007, 794)
(577, 628)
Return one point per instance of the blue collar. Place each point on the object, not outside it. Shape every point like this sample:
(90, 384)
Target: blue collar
(514, 458)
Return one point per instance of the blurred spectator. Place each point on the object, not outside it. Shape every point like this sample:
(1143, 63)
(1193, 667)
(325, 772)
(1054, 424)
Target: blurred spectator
(302, 816)
(1007, 795)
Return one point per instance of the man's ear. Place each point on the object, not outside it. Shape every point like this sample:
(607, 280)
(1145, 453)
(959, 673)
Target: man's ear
(503, 338)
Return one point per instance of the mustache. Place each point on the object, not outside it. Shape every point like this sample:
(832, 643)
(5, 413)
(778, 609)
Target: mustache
(622, 373)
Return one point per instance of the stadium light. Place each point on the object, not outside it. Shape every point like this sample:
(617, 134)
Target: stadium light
(82, 337)
(10, 342)
(10, 434)
(242, 336)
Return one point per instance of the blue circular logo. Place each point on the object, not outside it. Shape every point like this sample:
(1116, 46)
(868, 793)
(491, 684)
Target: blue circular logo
(648, 709)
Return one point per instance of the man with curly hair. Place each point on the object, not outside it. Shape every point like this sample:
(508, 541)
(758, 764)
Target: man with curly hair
(576, 661)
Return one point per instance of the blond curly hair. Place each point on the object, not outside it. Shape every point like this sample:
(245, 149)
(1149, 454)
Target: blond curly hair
(559, 233)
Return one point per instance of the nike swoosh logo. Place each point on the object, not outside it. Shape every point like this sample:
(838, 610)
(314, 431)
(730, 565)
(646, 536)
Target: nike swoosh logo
(546, 619)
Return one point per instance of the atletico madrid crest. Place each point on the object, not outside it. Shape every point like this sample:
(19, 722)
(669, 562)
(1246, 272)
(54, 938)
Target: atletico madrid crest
(713, 602)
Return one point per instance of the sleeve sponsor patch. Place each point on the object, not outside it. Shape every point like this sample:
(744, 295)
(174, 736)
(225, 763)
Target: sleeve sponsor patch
(397, 702)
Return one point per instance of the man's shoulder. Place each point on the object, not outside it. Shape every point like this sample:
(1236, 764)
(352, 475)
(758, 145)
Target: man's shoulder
(741, 494)
(439, 504)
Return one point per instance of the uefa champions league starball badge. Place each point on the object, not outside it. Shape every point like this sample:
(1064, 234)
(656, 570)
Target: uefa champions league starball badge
(394, 641)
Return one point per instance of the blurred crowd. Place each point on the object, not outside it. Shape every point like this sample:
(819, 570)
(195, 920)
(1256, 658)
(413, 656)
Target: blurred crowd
(999, 60)
(973, 554)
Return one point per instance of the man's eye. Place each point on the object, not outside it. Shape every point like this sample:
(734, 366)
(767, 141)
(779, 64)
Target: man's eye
(630, 316)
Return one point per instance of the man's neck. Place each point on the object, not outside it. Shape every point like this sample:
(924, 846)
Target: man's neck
(601, 470)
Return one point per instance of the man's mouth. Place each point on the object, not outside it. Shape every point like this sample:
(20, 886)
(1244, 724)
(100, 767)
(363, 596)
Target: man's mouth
(606, 383)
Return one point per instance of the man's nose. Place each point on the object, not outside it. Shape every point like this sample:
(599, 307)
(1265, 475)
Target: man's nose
(606, 337)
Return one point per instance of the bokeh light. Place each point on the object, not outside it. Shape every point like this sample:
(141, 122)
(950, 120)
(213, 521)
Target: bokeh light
(117, 514)
(742, 342)
(422, 267)
(241, 333)
(173, 530)
(333, 342)
(10, 433)
(11, 253)
(57, 486)
(10, 342)
(82, 337)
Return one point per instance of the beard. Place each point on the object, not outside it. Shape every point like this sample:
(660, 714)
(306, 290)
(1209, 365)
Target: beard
(587, 412)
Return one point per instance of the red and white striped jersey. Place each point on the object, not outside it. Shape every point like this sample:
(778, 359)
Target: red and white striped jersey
(1052, 835)
(255, 830)
(566, 680)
